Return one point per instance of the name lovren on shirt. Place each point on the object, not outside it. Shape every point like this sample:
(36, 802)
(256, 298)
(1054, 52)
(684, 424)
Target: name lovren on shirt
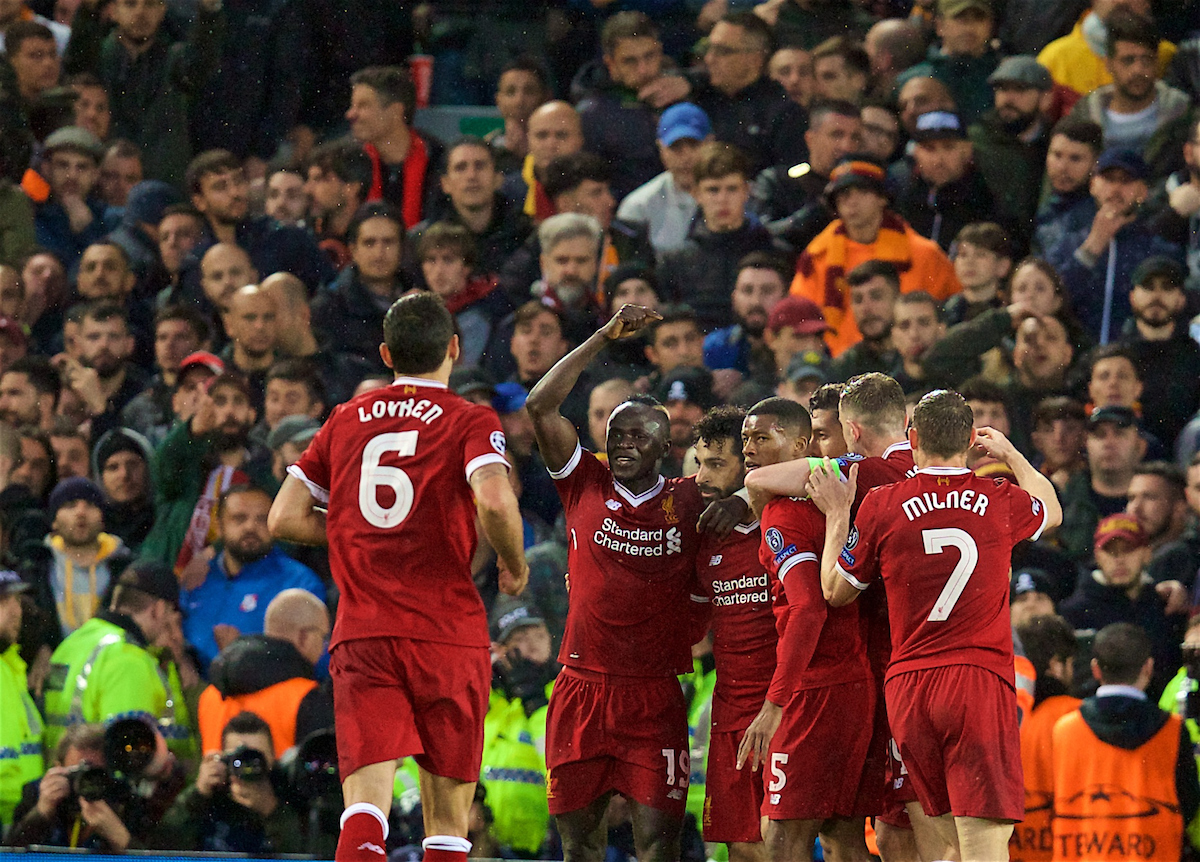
(384, 409)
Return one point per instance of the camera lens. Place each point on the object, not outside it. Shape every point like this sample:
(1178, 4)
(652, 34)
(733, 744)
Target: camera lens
(129, 746)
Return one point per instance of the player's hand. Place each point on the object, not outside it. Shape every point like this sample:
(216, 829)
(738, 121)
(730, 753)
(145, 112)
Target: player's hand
(758, 736)
(1175, 595)
(512, 583)
(828, 490)
(721, 516)
(629, 320)
(994, 444)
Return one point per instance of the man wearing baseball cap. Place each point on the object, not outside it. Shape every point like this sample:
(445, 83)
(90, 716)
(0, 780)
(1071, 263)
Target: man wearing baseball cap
(110, 666)
(865, 229)
(1120, 591)
(20, 722)
(795, 325)
(665, 204)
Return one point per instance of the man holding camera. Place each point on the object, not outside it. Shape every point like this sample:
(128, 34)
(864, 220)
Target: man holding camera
(235, 805)
(20, 723)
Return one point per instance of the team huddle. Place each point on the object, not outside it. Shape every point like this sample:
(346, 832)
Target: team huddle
(837, 698)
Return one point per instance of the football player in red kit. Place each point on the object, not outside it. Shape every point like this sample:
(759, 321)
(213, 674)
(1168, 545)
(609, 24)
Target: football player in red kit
(942, 542)
(744, 641)
(617, 719)
(403, 472)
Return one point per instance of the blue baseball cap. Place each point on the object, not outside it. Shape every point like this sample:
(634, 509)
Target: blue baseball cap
(684, 120)
(1129, 161)
(509, 398)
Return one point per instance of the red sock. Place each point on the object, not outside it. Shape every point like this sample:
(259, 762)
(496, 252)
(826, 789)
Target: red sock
(364, 834)
(446, 848)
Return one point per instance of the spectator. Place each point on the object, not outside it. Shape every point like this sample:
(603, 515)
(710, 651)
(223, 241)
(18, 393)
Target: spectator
(72, 218)
(747, 108)
(1030, 596)
(13, 343)
(287, 201)
(946, 191)
(218, 189)
(150, 79)
(1136, 107)
(916, 325)
(1059, 437)
(33, 55)
(120, 171)
(107, 668)
(35, 469)
(179, 233)
(874, 286)
(674, 341)
(237, 803)
(806, 24)
(1075, 145)
(982, 262)
(337, 179)
(665, 205)
(12, 13)
(791, 199)
(1114, 380)
(1114, 450)
(104, 377)
(1042, 356)
(121, 464)
(617, 126)
(687, 393)
(1012, 137)
(702, 272)
(72, 452)
(137, 234)
(382, 104)
(521, 88)
(921, 95)
(1096, 262)
(636, 285)
(270, 674)
(251, 322)
(242, 578)
(200, 458)
(447, 256)
(841, 69)
(29, 391)
(293, 388)
(1120, 735)
(288, 440)
(865, 229)
(602, 401)
(1077, 61)
(537, 343)
(554, 130)
(178, 334)
(1178, 220)
(22, 723)
(351, 310)
(1157, 499)
(792, 69)
(892, 45)
(497, 223)
(806, 373)
(794, 326)
(1049, 644)
(965, 58)
(762, 281)
(91, 110)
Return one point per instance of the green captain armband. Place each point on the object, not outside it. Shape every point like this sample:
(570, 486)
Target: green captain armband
(817, 463)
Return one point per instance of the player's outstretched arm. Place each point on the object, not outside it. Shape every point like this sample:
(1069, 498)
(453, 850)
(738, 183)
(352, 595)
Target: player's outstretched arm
(500, 518)
(785, 479)
(1028, 477)
(292, 517)
(556, 436)
(834, 497)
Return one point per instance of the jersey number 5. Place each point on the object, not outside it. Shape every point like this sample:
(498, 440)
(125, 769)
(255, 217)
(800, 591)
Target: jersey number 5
(937, 541)
(374, 476)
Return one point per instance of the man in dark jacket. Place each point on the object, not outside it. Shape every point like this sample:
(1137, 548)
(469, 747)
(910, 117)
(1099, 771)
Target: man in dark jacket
(121, 464)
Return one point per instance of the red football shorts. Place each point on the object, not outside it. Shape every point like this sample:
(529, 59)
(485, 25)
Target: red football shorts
(816, 759)
(732, 798)
(395, 697)
(606, 733)
(957, 731)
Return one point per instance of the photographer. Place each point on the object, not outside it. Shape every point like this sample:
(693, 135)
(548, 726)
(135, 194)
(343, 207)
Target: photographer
(79, 803)
(236, 804)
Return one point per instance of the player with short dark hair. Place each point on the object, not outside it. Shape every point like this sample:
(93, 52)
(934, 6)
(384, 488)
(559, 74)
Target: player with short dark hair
(403, 471)
(942, 542)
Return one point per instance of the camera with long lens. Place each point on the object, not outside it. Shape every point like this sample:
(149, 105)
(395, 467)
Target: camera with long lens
(129, 748)
(246, 763)
(315, 789)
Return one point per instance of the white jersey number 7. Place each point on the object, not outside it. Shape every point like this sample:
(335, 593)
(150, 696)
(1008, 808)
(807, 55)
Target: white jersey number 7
(937, 541)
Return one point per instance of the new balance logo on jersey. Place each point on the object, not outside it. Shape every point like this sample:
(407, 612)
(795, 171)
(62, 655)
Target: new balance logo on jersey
(374, 848)
(715, 561)
(612, 505)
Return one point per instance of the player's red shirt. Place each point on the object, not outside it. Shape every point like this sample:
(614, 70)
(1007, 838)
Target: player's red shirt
(632, 561)
(942, 542)
(818, 645)
(392, 467)
(743, 626)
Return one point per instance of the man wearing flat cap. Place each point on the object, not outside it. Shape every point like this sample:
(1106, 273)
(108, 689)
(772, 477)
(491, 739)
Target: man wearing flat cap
(72, 218)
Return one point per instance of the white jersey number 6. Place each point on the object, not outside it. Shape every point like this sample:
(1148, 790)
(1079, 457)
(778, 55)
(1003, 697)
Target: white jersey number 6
(375, 476)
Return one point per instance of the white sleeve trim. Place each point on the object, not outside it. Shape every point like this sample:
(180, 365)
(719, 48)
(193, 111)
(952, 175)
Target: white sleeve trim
(483, 460)
(1045, 516)
(806, 556)
(850, 579)
(320, 494)
(700, 600)
(572, 463)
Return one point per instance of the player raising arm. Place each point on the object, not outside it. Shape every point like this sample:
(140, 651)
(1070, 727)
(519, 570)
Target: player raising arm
(403, 471)
(942, 543)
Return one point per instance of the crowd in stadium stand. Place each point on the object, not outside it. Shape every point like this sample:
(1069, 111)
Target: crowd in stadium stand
(207, 207)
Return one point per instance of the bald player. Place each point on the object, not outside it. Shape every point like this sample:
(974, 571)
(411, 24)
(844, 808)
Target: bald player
(554, 130)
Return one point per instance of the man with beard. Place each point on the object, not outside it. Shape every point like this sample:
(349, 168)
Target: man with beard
(29, 391)
(72, 217)
(103, 376)
(1011, 139)
(242, 579)
(762, 280)
(198, 460)
(122, 466)
(874, 287)
(251, 324)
